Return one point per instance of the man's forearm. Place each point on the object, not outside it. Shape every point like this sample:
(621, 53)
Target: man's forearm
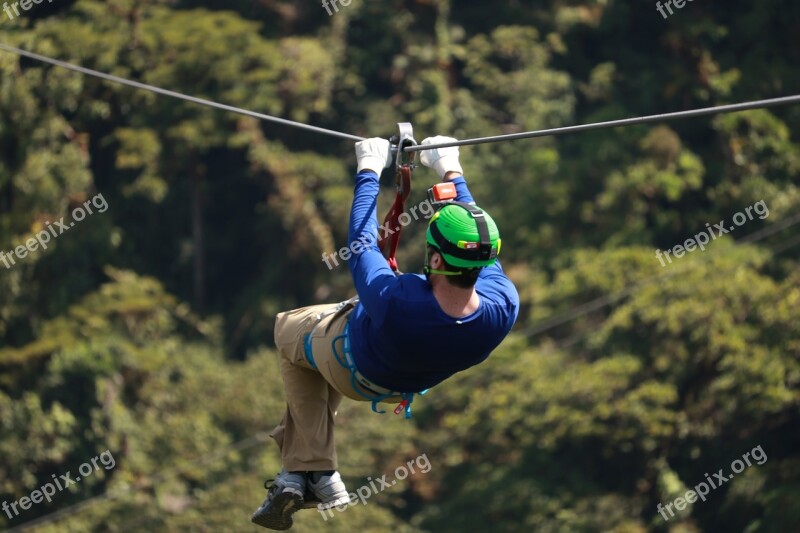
(371, 273)
(363, 215)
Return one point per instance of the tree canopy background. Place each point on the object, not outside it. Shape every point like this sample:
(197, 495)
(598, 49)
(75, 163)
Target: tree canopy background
(146, 330)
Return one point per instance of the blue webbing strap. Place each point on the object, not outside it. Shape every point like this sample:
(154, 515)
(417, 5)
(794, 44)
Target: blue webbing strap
(375, 400)
(309, 352)
(348, 358)
(408, 399)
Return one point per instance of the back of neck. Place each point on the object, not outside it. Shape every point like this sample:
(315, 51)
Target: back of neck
(455, 301)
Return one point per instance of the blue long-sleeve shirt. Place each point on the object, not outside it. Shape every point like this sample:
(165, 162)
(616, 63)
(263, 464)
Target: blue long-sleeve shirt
(400, 337)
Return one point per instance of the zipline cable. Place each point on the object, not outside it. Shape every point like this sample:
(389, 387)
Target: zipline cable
(180, 96)
(731, 108)
(537, 328)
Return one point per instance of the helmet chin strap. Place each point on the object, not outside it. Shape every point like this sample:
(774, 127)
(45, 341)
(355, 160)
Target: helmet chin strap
(428, 270)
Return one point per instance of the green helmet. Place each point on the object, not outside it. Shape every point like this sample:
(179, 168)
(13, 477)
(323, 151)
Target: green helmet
(465, 235)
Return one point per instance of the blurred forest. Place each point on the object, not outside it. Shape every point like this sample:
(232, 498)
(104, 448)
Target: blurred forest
(147, 330)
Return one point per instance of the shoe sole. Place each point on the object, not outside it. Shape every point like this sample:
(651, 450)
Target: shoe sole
(311, 502)
(278, 514)
(315, 503)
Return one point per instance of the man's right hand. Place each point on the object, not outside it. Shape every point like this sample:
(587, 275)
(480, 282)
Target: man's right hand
(373, 154)
(443, 160)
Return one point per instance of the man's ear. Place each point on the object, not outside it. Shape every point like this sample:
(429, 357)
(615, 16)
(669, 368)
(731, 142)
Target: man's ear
(436, 260)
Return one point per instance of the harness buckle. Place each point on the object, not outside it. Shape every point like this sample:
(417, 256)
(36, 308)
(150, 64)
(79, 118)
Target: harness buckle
(400, 407)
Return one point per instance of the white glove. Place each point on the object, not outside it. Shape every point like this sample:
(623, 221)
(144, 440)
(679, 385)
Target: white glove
(373, 154)
(442, 160)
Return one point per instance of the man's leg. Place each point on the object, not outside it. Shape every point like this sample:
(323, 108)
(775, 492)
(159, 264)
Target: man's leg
(305, 435)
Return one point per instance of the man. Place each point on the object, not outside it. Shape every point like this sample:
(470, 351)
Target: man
(403, 334)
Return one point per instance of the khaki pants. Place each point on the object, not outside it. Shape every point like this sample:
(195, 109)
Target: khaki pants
(305, 436)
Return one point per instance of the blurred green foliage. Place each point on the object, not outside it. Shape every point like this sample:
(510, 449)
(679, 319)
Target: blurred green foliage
(146, 330)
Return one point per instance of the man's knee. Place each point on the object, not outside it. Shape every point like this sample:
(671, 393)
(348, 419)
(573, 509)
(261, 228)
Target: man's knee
(279, 318)
(290, 328)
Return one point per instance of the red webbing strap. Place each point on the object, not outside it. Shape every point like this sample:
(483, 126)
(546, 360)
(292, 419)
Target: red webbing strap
(389, 237)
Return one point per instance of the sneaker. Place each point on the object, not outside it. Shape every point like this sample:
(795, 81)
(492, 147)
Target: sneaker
(284, 498)
(328, 492)
(311, 502)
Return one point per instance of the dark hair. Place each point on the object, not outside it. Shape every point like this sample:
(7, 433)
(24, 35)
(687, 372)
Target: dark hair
(467, 276)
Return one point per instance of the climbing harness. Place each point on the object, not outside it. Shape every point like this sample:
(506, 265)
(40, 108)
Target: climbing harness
(404, 166)
(357, 380)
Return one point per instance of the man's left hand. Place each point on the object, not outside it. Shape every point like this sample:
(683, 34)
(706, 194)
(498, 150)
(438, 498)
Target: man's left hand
(373, 154)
